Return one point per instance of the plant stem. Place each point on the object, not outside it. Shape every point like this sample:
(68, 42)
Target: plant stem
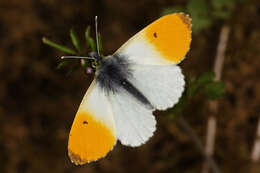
(184, 124)
(255, 156)
(213, 105)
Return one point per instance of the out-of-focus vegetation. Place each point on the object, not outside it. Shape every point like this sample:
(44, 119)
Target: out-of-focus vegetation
(38, 100)
(205, 12)
(204, 85)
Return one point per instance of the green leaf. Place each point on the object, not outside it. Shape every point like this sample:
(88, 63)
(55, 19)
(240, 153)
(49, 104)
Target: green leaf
(174, 9)
(63, 63)
(195, 85)
(222, 8)
(205, 78)
(201, 23)
(75, 40)
(214, 90)
(221, 14)
(220, 4)
(199, 10)
(58, 46)
(89, 40)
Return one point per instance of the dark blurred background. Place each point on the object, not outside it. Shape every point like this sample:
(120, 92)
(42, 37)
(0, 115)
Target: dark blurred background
(38, 102)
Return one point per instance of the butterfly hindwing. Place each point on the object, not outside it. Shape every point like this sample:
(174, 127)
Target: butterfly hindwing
(93, 133)
(134, 121)
(161, 85)
(165, 41)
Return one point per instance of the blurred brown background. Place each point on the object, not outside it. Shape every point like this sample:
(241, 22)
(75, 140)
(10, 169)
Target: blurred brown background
(38, 102)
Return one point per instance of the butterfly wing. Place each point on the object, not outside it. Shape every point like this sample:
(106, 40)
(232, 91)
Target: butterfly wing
(134, 121)
(93, 133)
(165, 41)
(161, 85)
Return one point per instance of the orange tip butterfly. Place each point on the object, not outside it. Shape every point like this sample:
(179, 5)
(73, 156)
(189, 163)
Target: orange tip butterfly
(129, 85)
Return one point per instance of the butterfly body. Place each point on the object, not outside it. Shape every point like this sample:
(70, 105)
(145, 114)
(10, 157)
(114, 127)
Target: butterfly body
(129, 85)
(114, 73)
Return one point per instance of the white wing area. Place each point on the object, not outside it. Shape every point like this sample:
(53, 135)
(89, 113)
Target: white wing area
(161, 85)
(135, 123)
(138, 50)
(96, 103)
(93, 133)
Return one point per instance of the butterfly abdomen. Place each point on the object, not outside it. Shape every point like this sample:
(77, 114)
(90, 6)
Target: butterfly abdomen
(113, 73)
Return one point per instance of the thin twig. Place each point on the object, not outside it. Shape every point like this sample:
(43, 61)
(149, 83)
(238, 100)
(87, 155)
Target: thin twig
(184, 124)
(213, 105)
(255, 156)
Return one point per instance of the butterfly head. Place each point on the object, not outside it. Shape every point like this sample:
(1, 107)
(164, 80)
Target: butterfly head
(95, 59)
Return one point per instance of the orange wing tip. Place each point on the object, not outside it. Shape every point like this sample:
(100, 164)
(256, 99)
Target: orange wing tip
(185, 19)
(77, 160)
(89, 139)
(170, 36)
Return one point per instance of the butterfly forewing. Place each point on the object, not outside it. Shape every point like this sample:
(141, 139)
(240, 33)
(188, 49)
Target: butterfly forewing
(165, 41)
(93, 133)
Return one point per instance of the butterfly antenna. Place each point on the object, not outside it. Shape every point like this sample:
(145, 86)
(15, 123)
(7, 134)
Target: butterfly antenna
(77, 57)
(96, 26)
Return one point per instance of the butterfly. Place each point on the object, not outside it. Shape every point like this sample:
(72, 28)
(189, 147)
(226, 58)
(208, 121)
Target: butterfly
(140, 77)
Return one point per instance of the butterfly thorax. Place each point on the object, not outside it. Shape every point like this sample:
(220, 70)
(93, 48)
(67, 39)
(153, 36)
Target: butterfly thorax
(113, 73)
